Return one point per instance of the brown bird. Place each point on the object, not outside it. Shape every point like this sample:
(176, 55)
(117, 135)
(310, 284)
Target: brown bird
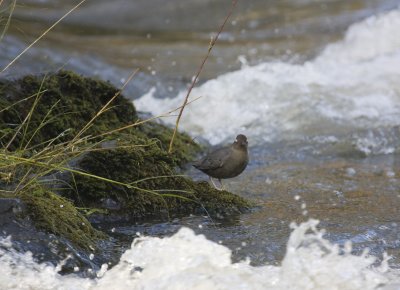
(226, 162)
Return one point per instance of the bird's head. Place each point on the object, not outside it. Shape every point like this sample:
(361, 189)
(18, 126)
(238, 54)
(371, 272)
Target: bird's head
(241, 141)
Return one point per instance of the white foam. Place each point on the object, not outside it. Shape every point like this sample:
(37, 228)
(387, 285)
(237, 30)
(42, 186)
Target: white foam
(352, 84)
(372, 38)
(20, 271)
(189, 261)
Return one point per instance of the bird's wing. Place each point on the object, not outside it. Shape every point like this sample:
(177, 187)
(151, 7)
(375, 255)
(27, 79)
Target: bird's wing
(214, 160)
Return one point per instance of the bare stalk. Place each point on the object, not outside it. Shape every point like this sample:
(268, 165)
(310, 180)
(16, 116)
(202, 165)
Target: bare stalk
(210, 47)
(12, 7)
(41, 36)
(139, 122)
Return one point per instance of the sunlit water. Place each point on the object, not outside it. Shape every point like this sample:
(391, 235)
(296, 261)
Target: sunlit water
(324, 137)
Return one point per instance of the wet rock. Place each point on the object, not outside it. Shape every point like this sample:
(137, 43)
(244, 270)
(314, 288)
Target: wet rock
(16, 225)
(72, 165)
(9, 207)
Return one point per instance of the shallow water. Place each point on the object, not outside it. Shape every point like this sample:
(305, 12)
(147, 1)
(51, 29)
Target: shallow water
(313, 84)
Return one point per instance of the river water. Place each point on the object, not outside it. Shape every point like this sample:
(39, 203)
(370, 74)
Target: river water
(315, 87)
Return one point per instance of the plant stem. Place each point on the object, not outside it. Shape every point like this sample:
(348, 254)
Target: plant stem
(41, 36)
(210, 47)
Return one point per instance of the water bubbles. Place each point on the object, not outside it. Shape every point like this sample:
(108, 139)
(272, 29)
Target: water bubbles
(338, 193)
(303, 207)
(102, 271)
(242, 59)
(350, 171)
(390, 173)
(348, 247)
(268, 181)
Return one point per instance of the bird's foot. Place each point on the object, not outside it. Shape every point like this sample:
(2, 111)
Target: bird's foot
(215, 186)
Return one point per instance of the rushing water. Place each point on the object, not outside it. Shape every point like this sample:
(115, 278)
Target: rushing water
(350, 86)
(187, 261)
(314, 86)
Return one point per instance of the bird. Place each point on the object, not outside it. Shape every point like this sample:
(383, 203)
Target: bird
(226, 162)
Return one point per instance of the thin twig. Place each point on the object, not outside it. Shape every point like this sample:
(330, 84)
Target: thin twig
(22, 100)
(8, 19)
(27, 118)
(41, 36)
(51, 167)
(210, 47)
(137, 123)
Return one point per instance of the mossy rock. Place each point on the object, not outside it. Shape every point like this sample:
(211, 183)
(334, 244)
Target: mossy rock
(141, 176)
(59, 216)
(61, 105)
(147, 183)
(184, 147)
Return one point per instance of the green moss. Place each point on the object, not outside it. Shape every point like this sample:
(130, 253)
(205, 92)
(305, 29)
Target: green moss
(183, 148)
(58, 215)
(148, 159)
(66, 102)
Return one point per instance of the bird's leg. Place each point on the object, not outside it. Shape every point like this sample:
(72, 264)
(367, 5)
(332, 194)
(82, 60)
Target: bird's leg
(222, 185)
(212, 181)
